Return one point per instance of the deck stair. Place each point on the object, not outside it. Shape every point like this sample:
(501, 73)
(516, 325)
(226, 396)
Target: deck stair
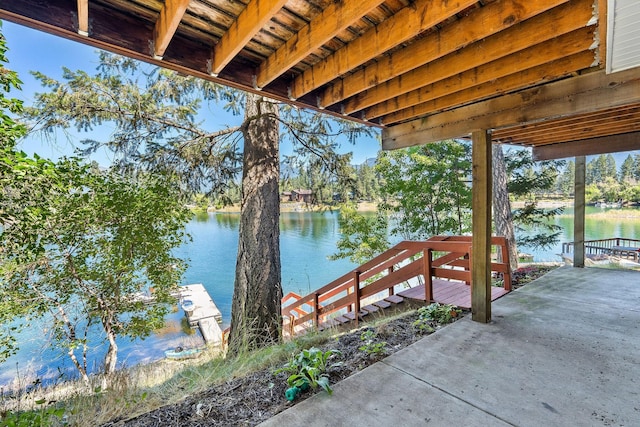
(395, 277)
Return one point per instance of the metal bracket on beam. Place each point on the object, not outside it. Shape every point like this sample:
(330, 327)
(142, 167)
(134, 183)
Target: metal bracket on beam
(254, 81)
(290, 94)
(210, 68)
(152, 51)
(318, 103)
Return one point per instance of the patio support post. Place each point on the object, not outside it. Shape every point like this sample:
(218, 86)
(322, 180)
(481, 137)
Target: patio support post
(578, 213)
(481, 246)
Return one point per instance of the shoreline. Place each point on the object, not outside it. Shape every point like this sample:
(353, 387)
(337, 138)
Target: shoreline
(299, 207)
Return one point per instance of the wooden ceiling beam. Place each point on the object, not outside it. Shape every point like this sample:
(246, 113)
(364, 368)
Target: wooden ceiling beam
(474, 27)
(170, 16)
(553, 136)
(538, 30)
(513, 82)
(579, 124)
(407, 23)
(557, 48)
(587, 147)
(321, 29)
(250, 21)
(578, 95)
(83, 17)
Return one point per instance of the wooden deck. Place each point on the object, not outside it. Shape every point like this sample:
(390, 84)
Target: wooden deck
(371, 287)
(205, 315)
(450, 292)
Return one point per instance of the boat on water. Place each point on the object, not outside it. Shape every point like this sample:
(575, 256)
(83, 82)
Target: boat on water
(187, 305)
(180, 353)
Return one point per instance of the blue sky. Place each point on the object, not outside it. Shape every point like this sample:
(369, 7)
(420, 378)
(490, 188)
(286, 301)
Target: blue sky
(31, 50)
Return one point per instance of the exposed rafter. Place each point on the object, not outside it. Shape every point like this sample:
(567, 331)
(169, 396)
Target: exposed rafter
(531, 33)
(478, 25)
(408, 23)
(170, 16)
(547, 72)
(587, 147)
(387, 63)
(556, 48)
(578, 95)
(325, 26)
(83, 17)
(249, 23)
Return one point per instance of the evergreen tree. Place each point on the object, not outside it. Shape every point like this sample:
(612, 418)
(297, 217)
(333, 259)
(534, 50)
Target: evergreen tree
(610, 167)
(565, 181)
(636, 167)
(626, 170)
(526, 179)
(154, 112)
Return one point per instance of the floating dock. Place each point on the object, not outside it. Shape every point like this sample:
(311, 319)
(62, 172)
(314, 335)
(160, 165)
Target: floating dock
(202, 312)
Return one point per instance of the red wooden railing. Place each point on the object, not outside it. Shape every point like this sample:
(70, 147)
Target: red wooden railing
(444, 257)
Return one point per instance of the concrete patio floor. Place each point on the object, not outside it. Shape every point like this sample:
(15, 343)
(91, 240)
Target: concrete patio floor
(562, 351)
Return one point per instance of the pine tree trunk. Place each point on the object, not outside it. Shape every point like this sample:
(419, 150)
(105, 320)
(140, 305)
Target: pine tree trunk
(256, 308)
(502, 206)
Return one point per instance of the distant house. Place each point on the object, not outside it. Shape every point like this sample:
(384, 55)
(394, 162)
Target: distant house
(285, 196)
(300, 195)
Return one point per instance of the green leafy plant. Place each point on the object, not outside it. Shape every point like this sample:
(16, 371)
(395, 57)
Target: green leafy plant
(308, 369)
(370, 346)
(441, 313)
(435, 313)
(43, 416)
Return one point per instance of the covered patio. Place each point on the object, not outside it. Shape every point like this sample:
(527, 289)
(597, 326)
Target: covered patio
(563, 350)
(557, 75)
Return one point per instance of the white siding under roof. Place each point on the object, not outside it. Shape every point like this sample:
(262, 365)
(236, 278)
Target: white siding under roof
(623, 35)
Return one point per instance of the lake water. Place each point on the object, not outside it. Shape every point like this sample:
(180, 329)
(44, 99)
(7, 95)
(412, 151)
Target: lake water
(596, 227)
(307, 239)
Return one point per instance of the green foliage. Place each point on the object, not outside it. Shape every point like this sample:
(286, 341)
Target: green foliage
(565, 180)
(436, 312)
(45, 415)
(309, 367)
(425, 189)
(362, 236)
(81, 243)
(600, 168)
(527, 180)
(370, 344)
(154, 113)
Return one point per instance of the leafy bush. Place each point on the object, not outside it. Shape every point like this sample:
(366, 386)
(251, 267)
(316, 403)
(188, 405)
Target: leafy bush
(436, 312)
(45, 416)
(370, 346)
(308, 369)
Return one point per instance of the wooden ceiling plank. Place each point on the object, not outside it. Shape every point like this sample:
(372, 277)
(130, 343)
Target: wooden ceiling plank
(584, 94)
(407, 23)
(602, 145)
(579, 124)
(476, 26)
(624, 111)
(250, 21)
(554, 136)
(557, 48)
(533, 143)
(478, 54)
(522, 79)
(322, 28)
(170, 16)
(83, 17)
